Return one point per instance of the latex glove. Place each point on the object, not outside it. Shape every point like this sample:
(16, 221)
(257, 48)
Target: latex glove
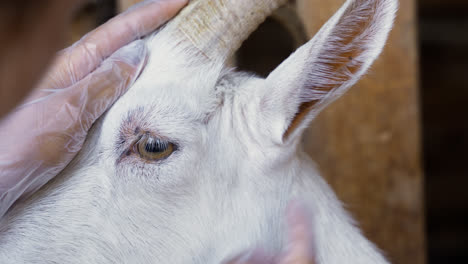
(40, 138)
(299, 248)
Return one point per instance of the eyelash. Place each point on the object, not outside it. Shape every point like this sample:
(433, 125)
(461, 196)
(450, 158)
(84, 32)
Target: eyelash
(156, 145)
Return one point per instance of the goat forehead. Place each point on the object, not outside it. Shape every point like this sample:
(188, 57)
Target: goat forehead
(163, 98)
(193, 93)
(172, 94)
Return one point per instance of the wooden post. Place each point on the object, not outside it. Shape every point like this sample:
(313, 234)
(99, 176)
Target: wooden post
(367, 144)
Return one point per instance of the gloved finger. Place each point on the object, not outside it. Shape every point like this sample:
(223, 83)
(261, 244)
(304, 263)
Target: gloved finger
(87, 100)
(58, 124)
(257, 256)
(299, 248)
(84, 56)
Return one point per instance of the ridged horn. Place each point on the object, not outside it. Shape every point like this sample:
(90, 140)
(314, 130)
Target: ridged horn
(217, 28)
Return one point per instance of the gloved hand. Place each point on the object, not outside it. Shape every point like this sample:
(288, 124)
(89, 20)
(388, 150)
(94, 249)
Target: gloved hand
(299, 248)
(41, 137)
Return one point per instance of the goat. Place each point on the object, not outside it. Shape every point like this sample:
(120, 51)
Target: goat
(197, 162)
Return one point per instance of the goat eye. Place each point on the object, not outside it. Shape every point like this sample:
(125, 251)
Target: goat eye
(153, 149)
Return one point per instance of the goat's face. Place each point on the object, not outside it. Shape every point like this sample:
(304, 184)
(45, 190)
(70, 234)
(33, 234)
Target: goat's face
(193, 161)
(200, 161)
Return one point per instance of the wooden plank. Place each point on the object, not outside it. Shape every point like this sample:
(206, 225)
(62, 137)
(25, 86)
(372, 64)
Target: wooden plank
(367, 144)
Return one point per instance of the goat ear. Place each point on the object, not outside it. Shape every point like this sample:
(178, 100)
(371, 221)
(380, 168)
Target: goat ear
(322, 70)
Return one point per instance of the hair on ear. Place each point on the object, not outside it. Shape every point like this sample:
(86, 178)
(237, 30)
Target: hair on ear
(340, 53)
(350, 47)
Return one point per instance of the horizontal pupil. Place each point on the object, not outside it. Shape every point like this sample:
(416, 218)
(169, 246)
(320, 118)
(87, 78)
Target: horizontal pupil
(155, 146)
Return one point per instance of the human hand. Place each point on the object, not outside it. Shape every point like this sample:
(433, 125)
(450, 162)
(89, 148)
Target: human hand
(299, 247)
(40, 138)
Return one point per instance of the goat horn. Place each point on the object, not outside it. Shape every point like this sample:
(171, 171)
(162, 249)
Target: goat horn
(217, 28)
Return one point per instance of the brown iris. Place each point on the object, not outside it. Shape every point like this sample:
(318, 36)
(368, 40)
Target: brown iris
(153, 149)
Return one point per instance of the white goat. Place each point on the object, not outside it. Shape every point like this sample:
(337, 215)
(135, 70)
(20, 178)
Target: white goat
(197, 162)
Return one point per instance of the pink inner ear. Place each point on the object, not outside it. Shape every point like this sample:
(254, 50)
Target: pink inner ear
(340, 57)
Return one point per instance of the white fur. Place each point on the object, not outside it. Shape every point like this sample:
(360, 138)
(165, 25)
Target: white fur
(226, 187)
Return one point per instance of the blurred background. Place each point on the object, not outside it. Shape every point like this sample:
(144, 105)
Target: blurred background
(395, 147)
(443, 44)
